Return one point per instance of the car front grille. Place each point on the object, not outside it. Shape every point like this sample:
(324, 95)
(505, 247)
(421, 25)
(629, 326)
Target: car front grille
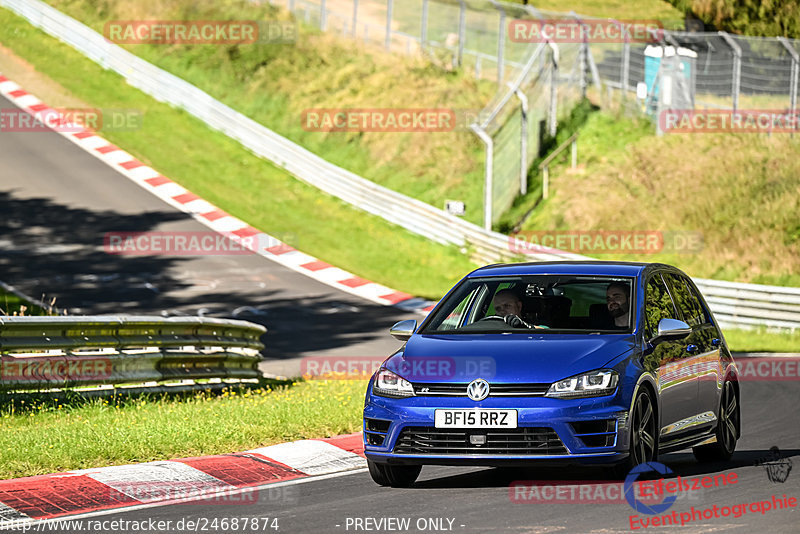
(495, 390)
(510, 441)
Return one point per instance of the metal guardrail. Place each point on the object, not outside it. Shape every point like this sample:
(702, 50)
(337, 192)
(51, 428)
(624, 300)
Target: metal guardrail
(742, 305)
(57, 352)
(750, 305)
(411, 214)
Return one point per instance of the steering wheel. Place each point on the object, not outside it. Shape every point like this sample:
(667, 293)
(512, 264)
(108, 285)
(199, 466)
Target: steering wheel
(492, 317)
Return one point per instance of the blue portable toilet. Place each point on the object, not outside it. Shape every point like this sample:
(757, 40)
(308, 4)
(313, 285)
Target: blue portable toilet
(669, 76)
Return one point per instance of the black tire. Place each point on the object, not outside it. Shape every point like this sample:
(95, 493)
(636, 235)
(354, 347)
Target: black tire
(643, 444)
(727, 432)
(396, 476)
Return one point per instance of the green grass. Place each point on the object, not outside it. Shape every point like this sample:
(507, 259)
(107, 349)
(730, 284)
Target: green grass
(274, 84)
(40, 436)
(11, 304)
(762, 341)
(213, 166)
(618, 9)
(739, 191)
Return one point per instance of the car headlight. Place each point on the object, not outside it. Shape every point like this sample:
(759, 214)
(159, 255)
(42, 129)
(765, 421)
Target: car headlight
(593, 384)
(388, 384)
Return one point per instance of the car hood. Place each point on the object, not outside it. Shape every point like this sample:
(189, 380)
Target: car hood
(502, 358)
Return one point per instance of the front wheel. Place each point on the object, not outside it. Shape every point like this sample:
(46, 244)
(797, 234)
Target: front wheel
(396, 476)
(643, 427)
(727, 429)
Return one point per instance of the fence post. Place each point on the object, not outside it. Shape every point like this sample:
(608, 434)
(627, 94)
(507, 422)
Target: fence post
(424, 31)
(355, 16)
(323, 16)
(737, 68)
(794, 72)
(582, 53)
(626, 58)
(501, 46)
(523, 140)
(552, 117)
(389, 6)
(462, 30)
(545, 182)
(574, 152)
(487, 184)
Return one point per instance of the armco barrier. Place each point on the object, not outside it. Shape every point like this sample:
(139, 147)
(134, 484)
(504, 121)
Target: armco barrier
(740, 305)
(55, 352)
(751, 305)
(412, 214)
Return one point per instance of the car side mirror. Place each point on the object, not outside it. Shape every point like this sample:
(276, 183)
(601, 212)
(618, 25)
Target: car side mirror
(671, 329)
(402, 331)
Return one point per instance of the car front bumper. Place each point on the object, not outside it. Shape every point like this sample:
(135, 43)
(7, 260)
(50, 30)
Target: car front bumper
(402, 431)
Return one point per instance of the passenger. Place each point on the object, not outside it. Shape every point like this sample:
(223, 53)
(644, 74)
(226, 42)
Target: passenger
(617, 304)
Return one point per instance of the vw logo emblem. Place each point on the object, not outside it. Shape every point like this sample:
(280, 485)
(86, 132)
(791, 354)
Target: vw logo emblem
(478, 390)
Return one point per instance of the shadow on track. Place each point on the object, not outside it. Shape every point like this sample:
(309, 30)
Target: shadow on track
(55, 250)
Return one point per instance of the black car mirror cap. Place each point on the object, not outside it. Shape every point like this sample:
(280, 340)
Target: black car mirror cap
(402, 330)
(671, 329)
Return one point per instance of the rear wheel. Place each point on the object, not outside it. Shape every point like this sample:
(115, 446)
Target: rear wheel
(396, 476)
(727, 433)
(642, 424)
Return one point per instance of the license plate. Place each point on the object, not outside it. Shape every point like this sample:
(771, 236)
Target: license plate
(475, 418)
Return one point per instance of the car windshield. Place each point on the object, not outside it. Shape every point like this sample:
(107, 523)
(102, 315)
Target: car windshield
(540, 303)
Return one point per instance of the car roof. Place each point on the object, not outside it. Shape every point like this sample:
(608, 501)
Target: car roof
(590, 268)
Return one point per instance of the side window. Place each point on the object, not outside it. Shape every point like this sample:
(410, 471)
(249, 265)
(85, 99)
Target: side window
(658, 304)
(687, 302)
(453, 321)
(702, 316)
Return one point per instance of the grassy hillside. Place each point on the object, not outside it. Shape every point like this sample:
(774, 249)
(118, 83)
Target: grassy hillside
(275, 83)
(741, 192)
(225, 173)
(619, 9)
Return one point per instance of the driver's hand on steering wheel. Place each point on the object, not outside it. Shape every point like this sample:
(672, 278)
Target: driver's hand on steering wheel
(515, 321)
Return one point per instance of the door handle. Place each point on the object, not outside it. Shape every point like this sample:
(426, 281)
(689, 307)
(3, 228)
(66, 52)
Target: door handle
(691, 348)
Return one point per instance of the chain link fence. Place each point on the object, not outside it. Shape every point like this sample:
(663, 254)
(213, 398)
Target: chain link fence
(540, 82)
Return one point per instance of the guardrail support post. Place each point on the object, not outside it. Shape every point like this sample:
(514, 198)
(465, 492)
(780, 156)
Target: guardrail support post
(523, 140)
(737, 68)
(487, 185)
(389, 8)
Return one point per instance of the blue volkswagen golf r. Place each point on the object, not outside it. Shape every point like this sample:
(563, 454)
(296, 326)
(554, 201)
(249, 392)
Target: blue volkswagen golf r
(575, 363)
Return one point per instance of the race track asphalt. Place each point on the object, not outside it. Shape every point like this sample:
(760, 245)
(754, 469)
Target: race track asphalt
(58, 202)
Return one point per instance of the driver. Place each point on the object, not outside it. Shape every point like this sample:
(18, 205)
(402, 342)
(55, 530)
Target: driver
(508, 305)
(506, 302)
